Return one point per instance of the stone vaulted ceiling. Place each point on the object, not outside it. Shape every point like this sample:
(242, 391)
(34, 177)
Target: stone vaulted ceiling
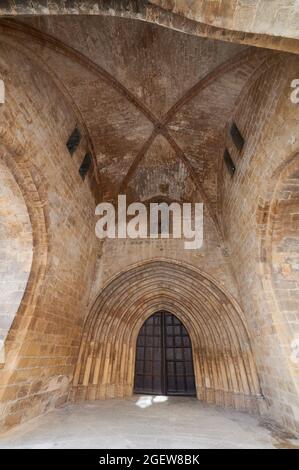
(155, 102)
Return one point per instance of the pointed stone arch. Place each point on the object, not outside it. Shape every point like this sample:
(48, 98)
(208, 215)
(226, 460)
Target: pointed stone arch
(224, 366)
(278, 264)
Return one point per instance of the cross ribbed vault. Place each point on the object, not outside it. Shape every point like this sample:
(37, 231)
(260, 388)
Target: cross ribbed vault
(225, 372)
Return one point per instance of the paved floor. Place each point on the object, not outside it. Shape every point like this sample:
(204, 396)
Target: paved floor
(143, 422)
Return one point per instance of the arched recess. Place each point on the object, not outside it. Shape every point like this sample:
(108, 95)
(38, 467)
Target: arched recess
(280, 261)
(224, 366)
(23, 244)
(16, 251)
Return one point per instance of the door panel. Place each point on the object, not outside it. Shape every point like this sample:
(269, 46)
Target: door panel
(179, 365)
(164, 362)
(148, 369)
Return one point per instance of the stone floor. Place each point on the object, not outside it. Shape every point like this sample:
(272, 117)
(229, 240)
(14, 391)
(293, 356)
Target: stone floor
(144, 422)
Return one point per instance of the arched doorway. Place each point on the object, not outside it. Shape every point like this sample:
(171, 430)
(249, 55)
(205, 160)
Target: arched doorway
(224, 366)
(164, 362)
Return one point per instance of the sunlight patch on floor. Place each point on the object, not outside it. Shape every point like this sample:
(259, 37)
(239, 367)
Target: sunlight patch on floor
(149, 400)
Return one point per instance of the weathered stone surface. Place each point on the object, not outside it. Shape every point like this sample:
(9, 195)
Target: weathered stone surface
(260, 230)
(263, 23)
(154, 108)
(224, 368)
(251, 16)
(55, 248)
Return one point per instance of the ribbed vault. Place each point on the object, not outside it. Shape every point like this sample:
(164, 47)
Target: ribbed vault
(224, 367)
(127, 111)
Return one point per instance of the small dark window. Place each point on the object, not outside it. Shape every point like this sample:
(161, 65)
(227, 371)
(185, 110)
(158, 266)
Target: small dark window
(85, 165)
(229, 163)
(236, 136)
(73, 141)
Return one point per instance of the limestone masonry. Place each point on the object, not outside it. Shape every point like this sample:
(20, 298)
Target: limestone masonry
(162, 101)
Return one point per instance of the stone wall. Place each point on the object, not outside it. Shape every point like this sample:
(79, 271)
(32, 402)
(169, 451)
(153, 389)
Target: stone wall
(268, 121)
(42, 345)
(211, 258)
(150, 138)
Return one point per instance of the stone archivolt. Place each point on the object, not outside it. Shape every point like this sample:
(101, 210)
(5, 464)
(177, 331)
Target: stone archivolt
(154, 108)
(224, 367)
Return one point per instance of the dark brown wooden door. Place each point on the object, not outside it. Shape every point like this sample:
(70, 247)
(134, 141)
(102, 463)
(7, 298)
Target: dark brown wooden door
(164, 363)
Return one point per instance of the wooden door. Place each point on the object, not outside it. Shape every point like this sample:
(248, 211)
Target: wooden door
(164, 363)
